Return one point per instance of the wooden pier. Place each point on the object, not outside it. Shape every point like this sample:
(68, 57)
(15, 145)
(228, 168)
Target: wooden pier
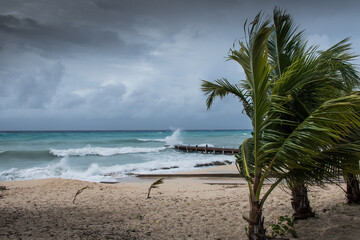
(206, 149)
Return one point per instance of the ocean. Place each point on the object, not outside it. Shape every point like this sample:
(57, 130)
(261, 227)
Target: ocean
(107, 155)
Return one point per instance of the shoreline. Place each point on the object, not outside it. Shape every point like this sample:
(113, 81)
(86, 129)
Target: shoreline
(221, 172)
(180, 208)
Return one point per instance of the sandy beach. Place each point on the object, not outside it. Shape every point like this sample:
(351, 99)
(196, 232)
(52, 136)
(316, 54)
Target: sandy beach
(181, 208)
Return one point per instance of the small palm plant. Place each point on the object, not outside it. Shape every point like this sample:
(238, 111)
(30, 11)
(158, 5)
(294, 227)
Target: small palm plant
(282, 226)
(155, 185)
(78, 192)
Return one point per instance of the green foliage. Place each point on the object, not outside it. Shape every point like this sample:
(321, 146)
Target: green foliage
(245, 159)
(282, 226)
(300, 103)
(155, 185)
(298, 99)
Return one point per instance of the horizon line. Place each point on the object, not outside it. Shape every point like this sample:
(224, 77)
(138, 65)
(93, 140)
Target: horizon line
(144, 130)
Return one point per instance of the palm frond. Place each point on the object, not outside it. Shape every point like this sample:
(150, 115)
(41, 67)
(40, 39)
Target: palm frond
(312, 140)
(245, 159)
(286, 42)
(338, 59)
(221, 88)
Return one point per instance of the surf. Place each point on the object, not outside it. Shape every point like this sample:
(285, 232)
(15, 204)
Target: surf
(102, 151)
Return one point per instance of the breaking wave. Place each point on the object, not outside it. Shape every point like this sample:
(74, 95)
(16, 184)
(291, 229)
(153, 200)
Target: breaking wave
(59, 169)
(150, 140)
(101, 151)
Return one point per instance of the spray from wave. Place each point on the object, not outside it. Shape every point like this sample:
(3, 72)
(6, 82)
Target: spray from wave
(173, 139)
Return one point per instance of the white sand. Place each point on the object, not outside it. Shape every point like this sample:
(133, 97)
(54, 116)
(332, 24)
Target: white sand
(181, 208)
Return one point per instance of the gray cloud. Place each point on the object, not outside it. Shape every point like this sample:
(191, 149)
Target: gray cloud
(111, 64)
(109, 95)
(33, 90)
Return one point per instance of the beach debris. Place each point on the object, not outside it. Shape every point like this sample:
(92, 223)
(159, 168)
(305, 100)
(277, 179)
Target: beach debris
(78, 192)
(164, 168)
(109, 182)
(155, 185)
(215, 163)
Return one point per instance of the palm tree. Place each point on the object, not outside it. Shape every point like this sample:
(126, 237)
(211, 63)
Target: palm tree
(286, 46)
(284, 154)
(351, 157)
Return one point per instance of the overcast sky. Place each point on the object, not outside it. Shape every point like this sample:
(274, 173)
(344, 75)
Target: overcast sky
(136, 64)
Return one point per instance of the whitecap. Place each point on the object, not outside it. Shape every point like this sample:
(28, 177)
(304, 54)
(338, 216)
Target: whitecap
(150, 140)
(101, 151)
(60, 169)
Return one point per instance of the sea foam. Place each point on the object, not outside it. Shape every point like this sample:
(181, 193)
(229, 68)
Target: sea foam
(59, 169)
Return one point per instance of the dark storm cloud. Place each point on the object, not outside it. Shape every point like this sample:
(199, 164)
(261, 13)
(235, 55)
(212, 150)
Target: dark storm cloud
(57, 38)
(10, 23)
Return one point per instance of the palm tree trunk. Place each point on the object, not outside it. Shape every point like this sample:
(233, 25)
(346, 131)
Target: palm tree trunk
(257, 230)
(256, 222)
(300, 201)
(352, 189)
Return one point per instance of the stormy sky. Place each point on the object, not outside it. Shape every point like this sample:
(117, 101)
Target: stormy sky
(136, 64)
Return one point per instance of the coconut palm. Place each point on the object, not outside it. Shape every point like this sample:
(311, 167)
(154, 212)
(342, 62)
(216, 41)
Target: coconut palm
(286, 46)
(351, 157)
(296, 154)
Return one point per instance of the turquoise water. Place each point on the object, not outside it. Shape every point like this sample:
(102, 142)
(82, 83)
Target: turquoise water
(104, 156)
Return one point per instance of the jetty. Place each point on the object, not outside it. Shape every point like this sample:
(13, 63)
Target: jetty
(207, 149)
